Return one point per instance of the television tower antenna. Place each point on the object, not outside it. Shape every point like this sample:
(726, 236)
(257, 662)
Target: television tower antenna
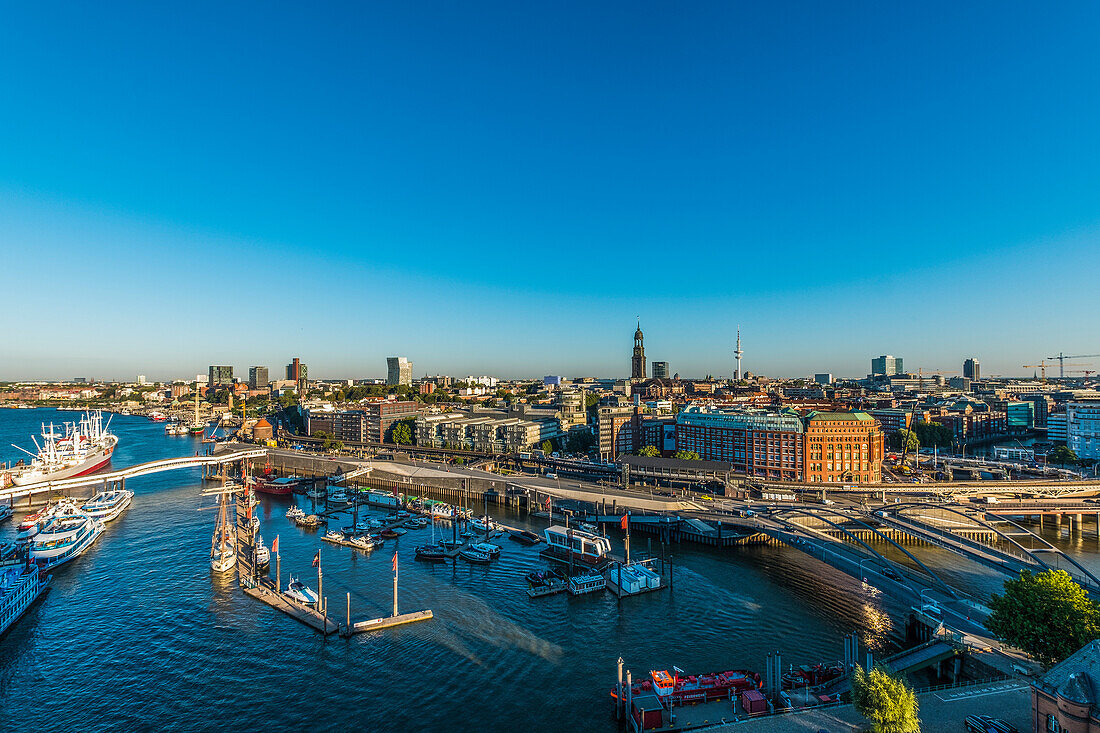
(738, 353)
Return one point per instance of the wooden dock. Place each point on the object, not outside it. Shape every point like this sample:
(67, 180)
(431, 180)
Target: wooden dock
(311, 618)
(388, 622)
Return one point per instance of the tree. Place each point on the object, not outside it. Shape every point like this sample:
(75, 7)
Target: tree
(887, 701)
(649, 450)
(909, 442)
(933, 433)
(402, 433)
(547, 446)
(579, 440)
(1062, 455)
(1047, 615)
(686, 455)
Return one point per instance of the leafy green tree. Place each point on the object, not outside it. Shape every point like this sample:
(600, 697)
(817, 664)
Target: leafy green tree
(1047, 615)
(1062, 455)
(686, 455)
(649, 450)
(908, 441)
(547, 447)
(402, 433)
(933, 434)
(579, 440)
(887, 701)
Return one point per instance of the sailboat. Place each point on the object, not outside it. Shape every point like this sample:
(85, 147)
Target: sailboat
(433, 552)
(197, 426)
(223, 553)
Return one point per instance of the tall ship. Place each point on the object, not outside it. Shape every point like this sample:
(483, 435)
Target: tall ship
(77, 449)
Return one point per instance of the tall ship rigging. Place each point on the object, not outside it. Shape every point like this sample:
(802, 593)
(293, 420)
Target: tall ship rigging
(79, 448)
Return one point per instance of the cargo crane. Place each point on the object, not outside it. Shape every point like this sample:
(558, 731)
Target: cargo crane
(1042, 366)
(1062, 361)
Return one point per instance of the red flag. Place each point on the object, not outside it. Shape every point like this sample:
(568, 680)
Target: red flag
(625, 521)
(317, 559)
(395, 563)
(547, 501)
(275, 545)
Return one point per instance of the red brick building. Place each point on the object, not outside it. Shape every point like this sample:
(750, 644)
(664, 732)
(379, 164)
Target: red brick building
(843, 447)
(1066, 699)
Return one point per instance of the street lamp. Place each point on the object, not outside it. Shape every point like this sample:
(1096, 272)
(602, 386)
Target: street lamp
(861, 576)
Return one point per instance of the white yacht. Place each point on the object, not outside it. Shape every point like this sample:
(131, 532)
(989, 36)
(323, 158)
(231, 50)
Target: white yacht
(107, 505)
(294, 513)
(483, 524)
(263, 554)
(65, 535)
(300, 592)
(337, 495)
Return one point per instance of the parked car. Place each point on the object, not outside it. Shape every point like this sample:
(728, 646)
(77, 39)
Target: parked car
(987, 724)
(890, 573)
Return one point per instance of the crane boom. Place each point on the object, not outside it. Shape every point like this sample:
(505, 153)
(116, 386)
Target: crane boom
(1061, 357)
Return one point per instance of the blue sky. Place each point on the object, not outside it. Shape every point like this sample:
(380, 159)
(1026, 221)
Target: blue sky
(499, 188)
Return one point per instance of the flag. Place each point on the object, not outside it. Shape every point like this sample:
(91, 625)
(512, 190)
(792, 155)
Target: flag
(395, 563)
(547, 501)
(275, 545)
(625, 523)
(317, 559)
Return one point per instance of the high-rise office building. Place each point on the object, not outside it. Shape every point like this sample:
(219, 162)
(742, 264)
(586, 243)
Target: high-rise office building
(297, 371)
(972, 369)
(219, 375)
(637, 363)
(257, 377)
(823, 378)
(660, 370)
(400, 371)
(886, 366)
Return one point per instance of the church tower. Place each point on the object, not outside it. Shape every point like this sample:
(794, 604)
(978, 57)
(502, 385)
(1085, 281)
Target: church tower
(637, 364)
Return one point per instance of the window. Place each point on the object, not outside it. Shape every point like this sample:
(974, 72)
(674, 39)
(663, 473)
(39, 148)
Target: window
(1052, 724)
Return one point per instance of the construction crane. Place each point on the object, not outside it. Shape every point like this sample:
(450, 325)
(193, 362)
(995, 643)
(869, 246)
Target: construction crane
(1062, 361)
(1041, 365)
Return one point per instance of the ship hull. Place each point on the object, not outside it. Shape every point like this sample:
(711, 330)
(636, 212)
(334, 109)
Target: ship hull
(93, 463)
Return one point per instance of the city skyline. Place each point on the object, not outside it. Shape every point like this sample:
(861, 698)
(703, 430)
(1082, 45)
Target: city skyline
(505, 190)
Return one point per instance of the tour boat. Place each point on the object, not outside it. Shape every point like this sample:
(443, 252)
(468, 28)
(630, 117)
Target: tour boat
(294, 513)
(107, 505)
(493, 551)
(64, 536)
(683, 688)
(365, 542)
(20, 586)
(84, 447)
(275, 486)
(475, 556)
(176, 428)
(157, 416)
(524, 536)
(431, 553)
(576, 545)
(300, 592)
(32, 523)
(263, 554)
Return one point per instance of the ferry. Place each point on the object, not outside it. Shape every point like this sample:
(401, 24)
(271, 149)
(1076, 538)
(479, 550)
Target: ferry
(108, 505)
(20, 586)
(682, 688)
(32, 523)
(64, 536)
(577, 545)
(84, 447)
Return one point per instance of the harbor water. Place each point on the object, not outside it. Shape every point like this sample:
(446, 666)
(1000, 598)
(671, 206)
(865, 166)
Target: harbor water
(139, 632)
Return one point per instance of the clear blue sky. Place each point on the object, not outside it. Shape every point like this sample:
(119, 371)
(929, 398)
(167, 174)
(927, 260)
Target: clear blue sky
(501, 188)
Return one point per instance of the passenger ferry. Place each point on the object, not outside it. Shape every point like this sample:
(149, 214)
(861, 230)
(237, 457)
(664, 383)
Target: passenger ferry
(566, 543)
(107, 505)
(64, 536)
(20, 586)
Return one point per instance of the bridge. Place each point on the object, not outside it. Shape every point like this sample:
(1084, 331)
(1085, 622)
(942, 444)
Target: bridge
(142, 469)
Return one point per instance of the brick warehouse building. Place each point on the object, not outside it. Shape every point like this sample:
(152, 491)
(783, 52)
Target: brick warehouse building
(843, 447)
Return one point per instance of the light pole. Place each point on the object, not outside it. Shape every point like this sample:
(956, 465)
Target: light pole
(861, 575)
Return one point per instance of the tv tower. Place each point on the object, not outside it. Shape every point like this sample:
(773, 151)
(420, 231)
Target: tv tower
(737, 353)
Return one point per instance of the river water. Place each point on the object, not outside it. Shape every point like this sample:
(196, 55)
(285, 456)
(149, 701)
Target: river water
(139, 633)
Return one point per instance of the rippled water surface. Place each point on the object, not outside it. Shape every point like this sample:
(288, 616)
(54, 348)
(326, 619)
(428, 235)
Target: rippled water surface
(139, 633)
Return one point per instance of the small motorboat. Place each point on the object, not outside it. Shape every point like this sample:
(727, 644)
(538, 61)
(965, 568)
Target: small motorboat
(483, 524)
(493, 551)
(469, 554)
(417, 523)
(431, 553)
(337, 496)
(300, 592)
(388, 534)
(294, 513)
(365, 542)
(263, 554)
(334, 536)
(524, 536)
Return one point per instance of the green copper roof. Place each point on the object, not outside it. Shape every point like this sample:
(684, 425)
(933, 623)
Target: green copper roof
(840, 416)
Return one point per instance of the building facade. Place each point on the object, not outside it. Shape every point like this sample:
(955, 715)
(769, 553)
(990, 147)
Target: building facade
(660, 370)
(257, 377)
(823, 378)
(887, 366)
(843, 447)
(756, 442)
(615, 431)
(574, 411)
(637, 362)
(972, 369)
(1083, 428)
(218, 376)
(382, 415)
(296, 371)
(399, 371)
(1067, 698)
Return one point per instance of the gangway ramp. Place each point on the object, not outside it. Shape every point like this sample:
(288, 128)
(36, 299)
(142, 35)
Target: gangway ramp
(697, 525)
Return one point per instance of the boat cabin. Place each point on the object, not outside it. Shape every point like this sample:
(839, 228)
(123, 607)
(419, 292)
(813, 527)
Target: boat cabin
(584, 544)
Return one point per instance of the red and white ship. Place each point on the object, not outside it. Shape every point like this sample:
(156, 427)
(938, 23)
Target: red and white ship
(84, 447)
(683, 688)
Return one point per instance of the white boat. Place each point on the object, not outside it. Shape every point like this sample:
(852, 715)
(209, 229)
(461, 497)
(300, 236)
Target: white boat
(107, 505)
(177, 428)
(483, 524)
(366, 542)
(488, 548)
(576, 544)
(65, 535)
(380, 498)
(442, 511)
(294, 513)
(223, 553)
(316, 492)
(30, 525)
(337, 495)
(471, 555)
(375, 524)
(20, 585)
(84, 447)
(300, 592)
(417, 523)
(5, 512)
(263, 554)
(333, 535)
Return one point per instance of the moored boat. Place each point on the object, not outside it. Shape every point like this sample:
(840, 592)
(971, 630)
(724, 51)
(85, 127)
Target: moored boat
(683, 688)
(20, 586)
(365, 542)
(475, 556)
(5, 512)
(524, 536)
(493, 551)
(108, 505)
(65, 535)
(576, 545)
(431, 553)
(84, 447)
(294, 513)
(483, 524)
(300, 592)
(275, 486)
(263, 554)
